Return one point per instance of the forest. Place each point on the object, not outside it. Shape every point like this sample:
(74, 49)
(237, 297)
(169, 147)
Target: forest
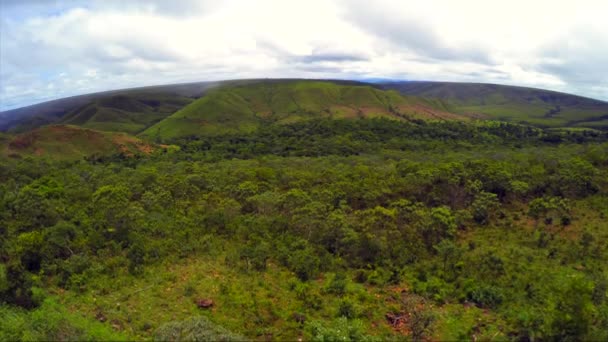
(324, 230)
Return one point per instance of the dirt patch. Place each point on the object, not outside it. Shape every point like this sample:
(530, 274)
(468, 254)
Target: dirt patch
(127, 145)
(429, 112)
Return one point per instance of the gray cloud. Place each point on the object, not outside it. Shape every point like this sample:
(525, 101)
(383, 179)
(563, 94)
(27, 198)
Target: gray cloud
(579, 58)
(331, 57)
(409, 33)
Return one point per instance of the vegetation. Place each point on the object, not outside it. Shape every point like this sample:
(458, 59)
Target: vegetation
(516, 104)
(72, 142)
(321, 229)
(125, 113)
(244, 108)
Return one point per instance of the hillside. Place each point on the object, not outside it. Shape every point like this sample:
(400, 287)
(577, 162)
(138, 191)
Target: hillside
(242, 105)
(509, 103)
(63, 142)
(243, 108)
(125, 113)
(159, 100)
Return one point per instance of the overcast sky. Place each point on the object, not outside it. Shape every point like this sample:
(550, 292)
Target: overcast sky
(51, 49)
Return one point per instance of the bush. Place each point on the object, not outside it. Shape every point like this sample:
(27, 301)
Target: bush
(304, 263)
(195, 329)
(347, 309)
(337, 285)
(340, 329)
(485, 296)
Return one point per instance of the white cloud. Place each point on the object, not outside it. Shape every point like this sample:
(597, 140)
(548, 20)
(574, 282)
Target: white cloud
(84, 46)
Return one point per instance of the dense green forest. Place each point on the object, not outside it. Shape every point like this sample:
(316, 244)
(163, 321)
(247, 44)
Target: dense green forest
(326, 230)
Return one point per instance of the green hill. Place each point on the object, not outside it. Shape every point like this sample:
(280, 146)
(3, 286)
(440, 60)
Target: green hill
(243, 108)
(159, 100)
(64, 142)
(507, 103)
(211, 108)
(124, 113)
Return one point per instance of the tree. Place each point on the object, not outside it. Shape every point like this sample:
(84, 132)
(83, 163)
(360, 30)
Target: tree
(483, 207)
(550, 208)
(113, 213)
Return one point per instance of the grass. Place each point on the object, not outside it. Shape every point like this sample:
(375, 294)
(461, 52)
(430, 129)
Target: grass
(255, 304)
(130, 113)
(508, 103)
(244, 108)
(63, 142)
(52, 322)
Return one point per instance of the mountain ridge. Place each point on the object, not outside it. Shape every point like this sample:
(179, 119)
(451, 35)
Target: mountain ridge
(538, 107)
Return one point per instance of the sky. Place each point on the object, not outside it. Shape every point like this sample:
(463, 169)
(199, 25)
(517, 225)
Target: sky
(52, 49)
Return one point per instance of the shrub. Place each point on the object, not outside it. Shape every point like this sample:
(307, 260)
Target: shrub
(340, 329)
(195, 329)
(485, 296)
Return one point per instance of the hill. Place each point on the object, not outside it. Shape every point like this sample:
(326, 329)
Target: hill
(160, 100)
(508, 103)
(241, 105)
(129, 113)
(243, 108)
(63, 142)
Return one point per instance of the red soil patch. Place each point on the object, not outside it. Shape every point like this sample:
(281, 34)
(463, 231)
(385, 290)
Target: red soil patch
(34, 141)
(125, 144)
(429, 112)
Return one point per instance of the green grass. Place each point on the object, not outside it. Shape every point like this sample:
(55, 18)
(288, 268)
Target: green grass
(244, 108)
(130, 113)
(52, 322)
(508, 103)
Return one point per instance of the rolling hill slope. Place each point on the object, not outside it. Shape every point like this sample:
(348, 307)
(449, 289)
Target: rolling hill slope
(125, 113)
(63, 142)
(242, 105)
(242, 108)
(160, 100)
(508, 103)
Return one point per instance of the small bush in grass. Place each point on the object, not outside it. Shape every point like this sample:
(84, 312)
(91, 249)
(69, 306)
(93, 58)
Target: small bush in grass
(195, 329)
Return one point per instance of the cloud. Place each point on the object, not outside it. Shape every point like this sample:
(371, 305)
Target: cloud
(405, 31)
(52, 49)
(579, 58)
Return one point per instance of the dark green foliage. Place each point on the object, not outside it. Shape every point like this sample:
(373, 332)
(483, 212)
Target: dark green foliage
(487, 216)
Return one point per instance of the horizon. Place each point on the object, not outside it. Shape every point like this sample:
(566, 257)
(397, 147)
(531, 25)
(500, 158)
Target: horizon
(367, 80)
(53, 50)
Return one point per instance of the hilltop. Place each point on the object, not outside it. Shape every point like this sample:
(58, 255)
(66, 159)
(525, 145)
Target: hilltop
(243, 108)
(509, 103)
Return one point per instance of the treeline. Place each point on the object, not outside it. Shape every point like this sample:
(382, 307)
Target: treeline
(352, 137)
